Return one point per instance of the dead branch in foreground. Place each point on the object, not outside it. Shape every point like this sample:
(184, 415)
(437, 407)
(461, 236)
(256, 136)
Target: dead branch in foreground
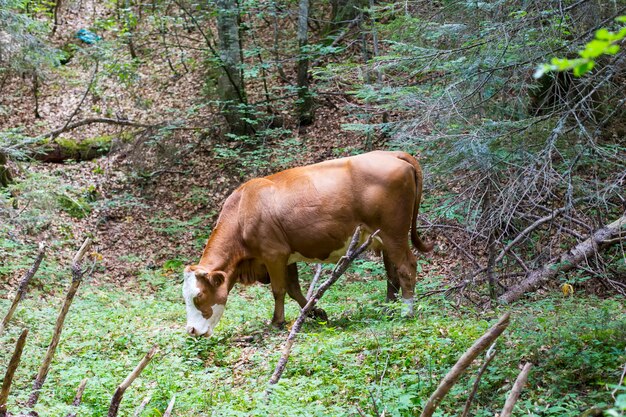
(21, 289)
(463, 363)
(142, 406)
(78, 398)
(566, 261)
(77, 278)
(516, 391)
(316, 277)
(352, 253)
(119, 392)
(491, 353)
(8, 376)
(170, 407)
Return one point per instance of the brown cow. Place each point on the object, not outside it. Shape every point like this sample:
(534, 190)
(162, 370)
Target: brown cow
(307, 214)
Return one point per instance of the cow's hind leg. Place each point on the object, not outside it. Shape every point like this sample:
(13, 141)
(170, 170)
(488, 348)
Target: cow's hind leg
(401, 266)
(295, 291)
(407, 271)
(393, 282)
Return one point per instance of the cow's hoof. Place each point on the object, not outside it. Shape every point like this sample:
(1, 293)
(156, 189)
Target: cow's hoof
(318, 314)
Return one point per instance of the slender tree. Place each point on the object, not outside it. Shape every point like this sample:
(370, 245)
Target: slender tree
(231, 85)
(5, 174)
(305, 101)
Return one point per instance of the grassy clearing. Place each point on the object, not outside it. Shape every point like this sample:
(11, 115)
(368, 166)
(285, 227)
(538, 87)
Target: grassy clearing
(362, 358)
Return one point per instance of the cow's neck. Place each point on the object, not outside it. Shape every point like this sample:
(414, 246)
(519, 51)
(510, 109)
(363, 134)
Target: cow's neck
(223, 252)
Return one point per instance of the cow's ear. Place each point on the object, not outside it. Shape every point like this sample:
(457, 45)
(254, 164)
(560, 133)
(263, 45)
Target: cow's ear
(217, 278)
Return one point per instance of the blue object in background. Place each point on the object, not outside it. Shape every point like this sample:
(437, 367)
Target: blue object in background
(88, 36)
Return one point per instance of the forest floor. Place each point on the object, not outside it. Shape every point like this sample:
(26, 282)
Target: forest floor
(149, 219)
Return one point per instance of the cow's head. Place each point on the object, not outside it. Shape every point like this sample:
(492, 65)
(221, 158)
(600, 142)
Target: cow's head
(205, 294)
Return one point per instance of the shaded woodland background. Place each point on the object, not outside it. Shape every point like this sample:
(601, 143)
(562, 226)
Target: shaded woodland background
(130, 123)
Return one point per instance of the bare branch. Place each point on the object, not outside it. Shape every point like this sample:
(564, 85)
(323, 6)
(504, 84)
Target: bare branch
(343, 264)
(463, 363)
(77, 278)
(119, 392)
(78, 398)
(316, 277)
(491, 353)
(516, 391)
(142, 406)
(8, 376)
(21, 289)
(170, 407)
(565, 261)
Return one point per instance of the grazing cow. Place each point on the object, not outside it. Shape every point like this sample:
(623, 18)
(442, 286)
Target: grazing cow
(307, 214)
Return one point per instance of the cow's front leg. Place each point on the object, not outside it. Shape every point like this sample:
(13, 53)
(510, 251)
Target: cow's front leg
(278, 281)
(295, 291)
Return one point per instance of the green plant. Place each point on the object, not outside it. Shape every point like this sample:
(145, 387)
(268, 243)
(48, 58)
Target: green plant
(604, 43)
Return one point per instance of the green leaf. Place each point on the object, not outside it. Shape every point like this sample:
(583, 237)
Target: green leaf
(594, 49)
(612, 50)
(582, 69)
(604, 34)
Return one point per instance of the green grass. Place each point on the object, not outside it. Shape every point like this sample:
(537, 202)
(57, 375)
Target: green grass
(363, 358)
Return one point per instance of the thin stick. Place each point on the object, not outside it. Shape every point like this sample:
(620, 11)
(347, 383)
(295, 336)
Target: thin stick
(343, 264)
(516, 391)
(8, 376)
(491, 352)
(79, 397)
(119, 392)
(316, 277)
(170, 407)
(463, 363)
(21, 289)
(77, 278)
(142, 406)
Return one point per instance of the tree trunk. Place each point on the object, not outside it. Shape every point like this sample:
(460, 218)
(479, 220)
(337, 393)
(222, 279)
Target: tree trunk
(231, 82)
(566, 261)
(342, 12)
(5, 174)
(305, 101)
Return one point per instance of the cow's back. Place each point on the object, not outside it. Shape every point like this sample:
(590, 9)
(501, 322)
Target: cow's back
(309, 213)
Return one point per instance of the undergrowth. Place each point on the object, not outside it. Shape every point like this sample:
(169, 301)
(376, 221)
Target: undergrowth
(364, 360)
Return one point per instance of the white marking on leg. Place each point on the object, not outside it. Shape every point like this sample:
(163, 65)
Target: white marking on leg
(409, 303)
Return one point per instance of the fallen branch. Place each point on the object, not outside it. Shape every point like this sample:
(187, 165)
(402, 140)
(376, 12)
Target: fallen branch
(530, 228)
(21, 289)
(491, 353)
(170, 407)
(119, 392)
(463, 363)
(94, 120)
(77, 278)
(566, 261)
(352, 253)
(316, 277)
(78, 398)
(8, 376)
(516, 391)
(142, 406)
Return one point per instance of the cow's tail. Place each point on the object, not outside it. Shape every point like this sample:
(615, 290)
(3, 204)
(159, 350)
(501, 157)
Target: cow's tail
(418, 243)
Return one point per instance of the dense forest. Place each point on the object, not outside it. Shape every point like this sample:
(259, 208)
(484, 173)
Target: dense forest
(125, 125)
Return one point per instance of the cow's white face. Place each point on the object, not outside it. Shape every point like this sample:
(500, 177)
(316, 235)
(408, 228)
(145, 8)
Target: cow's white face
(205, 297)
